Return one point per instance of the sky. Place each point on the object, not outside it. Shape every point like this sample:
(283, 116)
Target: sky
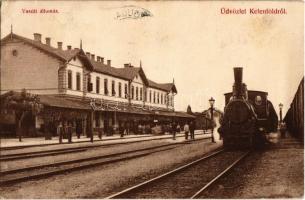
(190, 42)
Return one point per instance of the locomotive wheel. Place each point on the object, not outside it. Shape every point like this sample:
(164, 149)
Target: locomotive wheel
(232, 142)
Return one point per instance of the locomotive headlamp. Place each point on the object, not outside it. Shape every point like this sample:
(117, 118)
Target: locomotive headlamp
(212, 101)
(261, 129)
(258, 100)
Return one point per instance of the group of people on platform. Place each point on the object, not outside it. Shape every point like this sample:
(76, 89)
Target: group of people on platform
(161, 128)
(66, 129)
(189, 128)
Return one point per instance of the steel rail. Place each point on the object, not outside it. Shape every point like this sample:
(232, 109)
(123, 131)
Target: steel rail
(51, 152)
(105, 159)
(40, 154)
(2, 172)
(164, 175)
(51, 172)
(150, 137)
(33, 154)
(197, 194)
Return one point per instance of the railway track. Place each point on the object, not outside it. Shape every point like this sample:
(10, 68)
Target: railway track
(40, 145)
(41, 171)
(74, 142)
(188, 181)
(53, 152)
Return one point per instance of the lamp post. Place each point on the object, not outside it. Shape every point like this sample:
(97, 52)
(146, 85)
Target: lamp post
(282, 129)
(281, 107)
(212, 101)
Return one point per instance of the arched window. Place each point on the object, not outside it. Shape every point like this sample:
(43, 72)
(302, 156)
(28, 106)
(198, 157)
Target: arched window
(89, 84)
(132, 92)
(113, 88)
(150, 96)
(120, 89)
(97, 85)
(105, 86)
(126, 91)
(15, 52)
(161, 98)
(69, 79)
(77, 81)
(154, 97)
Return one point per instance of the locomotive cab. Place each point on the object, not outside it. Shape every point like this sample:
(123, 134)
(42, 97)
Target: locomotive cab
(248, 116)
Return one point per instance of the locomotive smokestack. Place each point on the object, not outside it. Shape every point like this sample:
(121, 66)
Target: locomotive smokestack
(238, 75)
(238, 78)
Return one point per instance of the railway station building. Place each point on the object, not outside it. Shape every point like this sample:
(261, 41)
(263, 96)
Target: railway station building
(82, 89)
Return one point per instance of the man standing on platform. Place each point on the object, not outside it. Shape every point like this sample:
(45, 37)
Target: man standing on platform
(69, 131)
(78, 129)
(186, 130)
(192, 130)
(173, 130)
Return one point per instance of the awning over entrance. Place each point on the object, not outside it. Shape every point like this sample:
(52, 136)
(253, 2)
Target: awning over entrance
(174, 114)
(61, 102)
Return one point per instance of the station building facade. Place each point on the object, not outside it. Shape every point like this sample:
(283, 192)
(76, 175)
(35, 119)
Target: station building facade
(82, 88)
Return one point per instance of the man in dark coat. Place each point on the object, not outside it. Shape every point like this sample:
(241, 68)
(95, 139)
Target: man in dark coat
(69, 131)
(173, 130)
(79, 129)
(192, 130)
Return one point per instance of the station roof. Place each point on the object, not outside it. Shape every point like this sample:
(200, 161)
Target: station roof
(127, 73)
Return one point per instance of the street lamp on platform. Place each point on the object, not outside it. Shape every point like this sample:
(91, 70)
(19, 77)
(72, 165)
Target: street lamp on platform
(281, 107)
(212, 101)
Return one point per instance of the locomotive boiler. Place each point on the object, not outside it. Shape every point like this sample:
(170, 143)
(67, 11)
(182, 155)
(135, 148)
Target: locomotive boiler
(248, 116)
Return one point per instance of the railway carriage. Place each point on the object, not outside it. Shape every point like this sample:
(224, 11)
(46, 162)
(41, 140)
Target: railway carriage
(248, 116)
(294, 118)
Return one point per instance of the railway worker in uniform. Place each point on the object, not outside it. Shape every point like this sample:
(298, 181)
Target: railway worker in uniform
(78, 129)
(186, 130)
(192, 130)
(123, 130)
(128, 129)
(69, 132)
(64, 130)
(178, 128)
(60, 131)
(100, 133)
(139, 129)
(173, 130)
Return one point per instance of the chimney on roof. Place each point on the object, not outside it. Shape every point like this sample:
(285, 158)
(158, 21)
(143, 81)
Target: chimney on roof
(37, 37)
(108, 62)
(48, 41)
(59, 44)
(92, 57)
(98, 58)
(102, 60)
(69, 47)
(88, 54)
(127, 65)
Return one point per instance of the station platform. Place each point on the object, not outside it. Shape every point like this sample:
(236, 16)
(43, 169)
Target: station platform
(13, 143)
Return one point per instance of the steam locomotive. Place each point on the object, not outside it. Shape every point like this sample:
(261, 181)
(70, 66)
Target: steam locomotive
(248, 116)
